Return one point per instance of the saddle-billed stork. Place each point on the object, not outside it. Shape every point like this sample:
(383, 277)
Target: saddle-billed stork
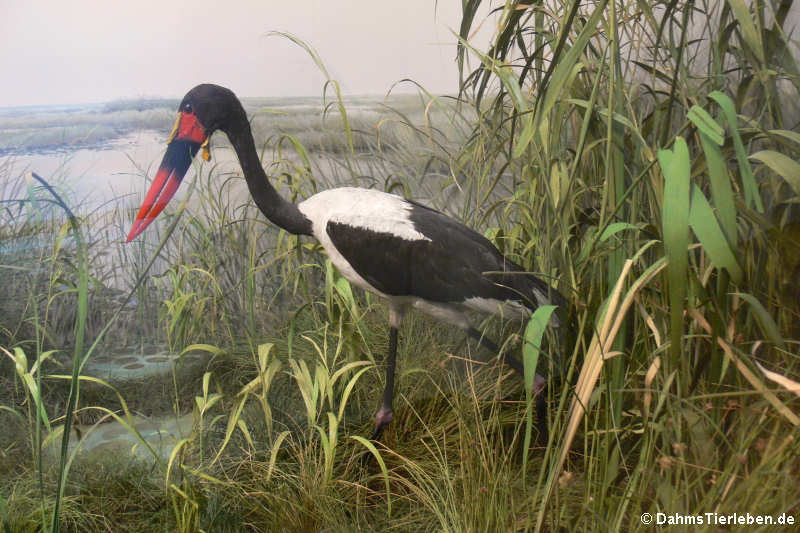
(412, 255)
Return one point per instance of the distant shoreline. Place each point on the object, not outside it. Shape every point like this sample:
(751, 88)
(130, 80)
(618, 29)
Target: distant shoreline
(62, 129)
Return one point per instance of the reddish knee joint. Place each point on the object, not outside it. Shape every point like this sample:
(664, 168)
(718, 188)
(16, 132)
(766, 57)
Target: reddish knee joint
(383, 417)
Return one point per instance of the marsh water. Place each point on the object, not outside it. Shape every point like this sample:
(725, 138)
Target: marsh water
(96, 176)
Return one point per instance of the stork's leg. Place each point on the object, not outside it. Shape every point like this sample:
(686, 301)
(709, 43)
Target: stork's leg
(538, 381)
(385, 414)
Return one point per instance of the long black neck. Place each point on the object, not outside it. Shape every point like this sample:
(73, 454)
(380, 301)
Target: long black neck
(280, 212)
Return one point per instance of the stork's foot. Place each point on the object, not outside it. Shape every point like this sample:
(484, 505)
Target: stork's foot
(538, 383)
(383, 418)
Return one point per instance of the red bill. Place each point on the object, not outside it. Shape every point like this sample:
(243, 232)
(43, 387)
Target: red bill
(186, 139)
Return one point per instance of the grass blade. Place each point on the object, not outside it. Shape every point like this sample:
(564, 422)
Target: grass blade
(705, 226)
(758, 385)
(377, 455)
(721, 190)
(748, 29)
(706, 124)
(764, 319)
(531, 348)
(675, 230)
(749, 184)
(782, 165)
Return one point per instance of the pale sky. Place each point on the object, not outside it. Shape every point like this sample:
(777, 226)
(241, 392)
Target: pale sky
(82, 51)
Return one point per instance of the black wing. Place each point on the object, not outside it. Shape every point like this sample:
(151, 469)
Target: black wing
(455, 264)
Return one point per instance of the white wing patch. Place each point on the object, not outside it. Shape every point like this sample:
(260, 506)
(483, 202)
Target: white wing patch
(362, 208)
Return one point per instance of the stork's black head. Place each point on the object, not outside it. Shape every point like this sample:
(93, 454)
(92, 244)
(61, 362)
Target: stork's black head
(214, 107)
(204, 110)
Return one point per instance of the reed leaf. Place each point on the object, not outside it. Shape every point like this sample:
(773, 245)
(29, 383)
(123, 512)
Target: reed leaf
(531, 348)
(675, 228)
(782, 165)
(704, 223)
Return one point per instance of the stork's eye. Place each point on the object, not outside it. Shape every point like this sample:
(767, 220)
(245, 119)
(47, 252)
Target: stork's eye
(187, 108)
